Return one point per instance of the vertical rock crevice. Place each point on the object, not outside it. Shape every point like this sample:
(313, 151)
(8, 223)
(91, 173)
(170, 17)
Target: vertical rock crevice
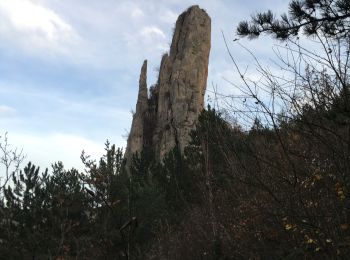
(179, 92)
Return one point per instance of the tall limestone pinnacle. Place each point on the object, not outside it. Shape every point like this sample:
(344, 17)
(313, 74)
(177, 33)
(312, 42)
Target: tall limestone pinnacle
(165, 118)
(135, 140)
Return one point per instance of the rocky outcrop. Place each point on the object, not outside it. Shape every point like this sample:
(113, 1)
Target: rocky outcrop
(165, 119)
(136, 138)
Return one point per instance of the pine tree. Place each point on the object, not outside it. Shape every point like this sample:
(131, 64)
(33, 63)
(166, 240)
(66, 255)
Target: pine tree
(330, 18)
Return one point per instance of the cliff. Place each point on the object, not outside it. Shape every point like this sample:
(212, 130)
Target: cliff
(165, 118)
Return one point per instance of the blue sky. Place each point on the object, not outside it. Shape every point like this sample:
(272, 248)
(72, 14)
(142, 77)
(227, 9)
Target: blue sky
(69, 68)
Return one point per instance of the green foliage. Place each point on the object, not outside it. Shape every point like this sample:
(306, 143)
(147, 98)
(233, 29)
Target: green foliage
(65, 213)
(314, 17)
(40, 209)
(230, 194)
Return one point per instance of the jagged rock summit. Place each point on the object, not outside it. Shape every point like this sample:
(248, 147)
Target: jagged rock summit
(164, 119)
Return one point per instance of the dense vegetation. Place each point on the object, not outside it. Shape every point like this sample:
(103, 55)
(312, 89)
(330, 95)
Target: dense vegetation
(277, 191)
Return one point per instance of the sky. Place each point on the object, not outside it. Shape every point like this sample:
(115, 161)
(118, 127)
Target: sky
(69, 69)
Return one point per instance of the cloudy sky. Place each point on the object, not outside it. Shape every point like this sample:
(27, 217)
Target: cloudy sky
(69, 68)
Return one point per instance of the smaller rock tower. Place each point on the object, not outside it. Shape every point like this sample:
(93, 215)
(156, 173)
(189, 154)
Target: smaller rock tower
(136, 136)
(165, 118)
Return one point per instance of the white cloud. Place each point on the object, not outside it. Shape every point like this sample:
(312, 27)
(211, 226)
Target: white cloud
(149, 42)
(169, 17)
(47, 149)
(151, 31)
(136, 13)
(26, 16)
(29, 25)
(5, 110)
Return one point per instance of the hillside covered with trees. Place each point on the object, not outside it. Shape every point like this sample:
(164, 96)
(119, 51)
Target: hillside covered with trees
(277, 191)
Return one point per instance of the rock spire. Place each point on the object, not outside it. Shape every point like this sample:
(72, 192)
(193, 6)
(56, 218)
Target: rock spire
(135, 139)
(165, 118)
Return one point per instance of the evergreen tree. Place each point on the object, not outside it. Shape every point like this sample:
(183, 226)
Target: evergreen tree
(329, 18)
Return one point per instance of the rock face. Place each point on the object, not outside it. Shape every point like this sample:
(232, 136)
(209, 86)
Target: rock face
(165, 118)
